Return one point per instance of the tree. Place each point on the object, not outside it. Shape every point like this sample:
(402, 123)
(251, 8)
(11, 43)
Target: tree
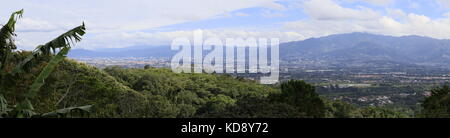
(7, 38)
(62, 43)
(161, 107)
(147, 67)
(303, 96)
(217, 106)
(339, 109)
(438, 104)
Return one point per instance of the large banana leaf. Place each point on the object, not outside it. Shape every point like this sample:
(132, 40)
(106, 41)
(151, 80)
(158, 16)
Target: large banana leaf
(22, 110)
(62, 41)
(26, 105)
(40, 80)
(3, 103)
(69, 112)
(25, 110)
(6, 37)
(3, 106)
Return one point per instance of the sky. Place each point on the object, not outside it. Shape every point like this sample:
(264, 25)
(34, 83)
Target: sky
(119, 23)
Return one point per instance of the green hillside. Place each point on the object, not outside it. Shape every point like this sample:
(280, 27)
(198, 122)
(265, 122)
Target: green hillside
(160, 93)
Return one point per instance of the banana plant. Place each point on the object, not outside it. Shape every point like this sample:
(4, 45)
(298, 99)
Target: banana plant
(5, 112)
(58, 49)
(63, 41)
(7, 38)
(3, 106)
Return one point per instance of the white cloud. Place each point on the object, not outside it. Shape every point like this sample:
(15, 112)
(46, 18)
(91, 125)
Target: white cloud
(329, 10)
(116, 23)
(331, 18)
(29, 40)
(241, 14)
(129, 15)
(444, 3)
(406, 24)
(33, 25)
(116, 40)
(396, 13)
(379, 2)
(111, 17)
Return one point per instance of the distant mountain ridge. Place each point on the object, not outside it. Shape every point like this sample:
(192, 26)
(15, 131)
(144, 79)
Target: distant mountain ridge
(134, 51)
(369, 47)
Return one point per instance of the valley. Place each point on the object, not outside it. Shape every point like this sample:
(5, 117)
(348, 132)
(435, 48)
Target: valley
(359, 68)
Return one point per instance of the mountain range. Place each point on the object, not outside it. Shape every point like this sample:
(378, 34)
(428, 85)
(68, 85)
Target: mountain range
(364, 47)
(341, 48)
(134, 51)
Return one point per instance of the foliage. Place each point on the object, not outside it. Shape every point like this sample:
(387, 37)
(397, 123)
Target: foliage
(40, 79)
(339, 109)
(24, 108)
(3, 106)
(61, 42)
(188, 95)
(438, 104)
(6, 38)
(304, 97)
(69, 112)
(376, 112)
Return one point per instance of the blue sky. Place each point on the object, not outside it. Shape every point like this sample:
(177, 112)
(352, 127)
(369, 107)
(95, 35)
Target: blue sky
(118, 23)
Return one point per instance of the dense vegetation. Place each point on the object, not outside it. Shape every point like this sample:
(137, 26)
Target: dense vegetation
(15, 71)
(438, 104)
(152, 92)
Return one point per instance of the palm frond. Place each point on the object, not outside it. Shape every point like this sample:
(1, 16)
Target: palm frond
(6, 37)
(65, 40)
(7, 31)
